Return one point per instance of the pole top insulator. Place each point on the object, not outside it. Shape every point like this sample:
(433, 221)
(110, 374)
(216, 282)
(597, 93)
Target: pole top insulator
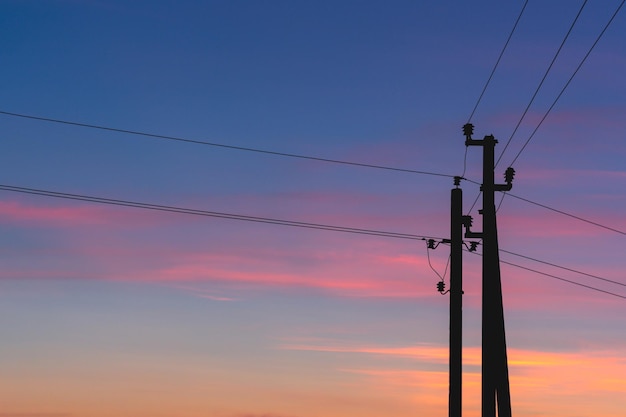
(508, 175)
(457, 180)
(468, 130)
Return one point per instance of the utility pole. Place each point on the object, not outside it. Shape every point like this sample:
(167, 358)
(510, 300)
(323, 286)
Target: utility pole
(495, 373)
(456, 300)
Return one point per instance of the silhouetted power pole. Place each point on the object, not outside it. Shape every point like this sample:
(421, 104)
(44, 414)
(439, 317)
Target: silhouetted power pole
(495, 373)
(456, 300)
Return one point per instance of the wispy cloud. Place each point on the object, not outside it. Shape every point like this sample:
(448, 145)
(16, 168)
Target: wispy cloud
(35, 415)
(72, 215)
(533, 373)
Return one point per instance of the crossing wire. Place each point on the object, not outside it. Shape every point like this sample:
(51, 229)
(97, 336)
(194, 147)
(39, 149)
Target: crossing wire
(564, 268)
(569, 81)
(565, 280)
(545, 274)
(482, 93)
(282, 222)
(621, 232)
(545, 75)
(506, 44)
(133, 132)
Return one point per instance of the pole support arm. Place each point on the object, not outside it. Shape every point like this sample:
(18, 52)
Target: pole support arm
(467, 223)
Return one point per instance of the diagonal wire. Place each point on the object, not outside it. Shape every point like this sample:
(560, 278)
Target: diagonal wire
(545, 75)
(612, 229)
(493, 71)
(589, 287)
(506, 44)
(232, 216)
(565, 280)
(181, 210)
(221, 145)
(564, 268)
(570, 80)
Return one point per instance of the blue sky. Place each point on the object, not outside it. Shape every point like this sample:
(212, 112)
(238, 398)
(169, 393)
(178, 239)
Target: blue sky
(109, 310)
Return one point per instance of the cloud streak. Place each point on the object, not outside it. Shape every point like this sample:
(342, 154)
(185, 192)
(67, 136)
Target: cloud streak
(533, 373)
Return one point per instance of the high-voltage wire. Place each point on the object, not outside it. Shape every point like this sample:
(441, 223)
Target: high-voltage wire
(545, 75)
(506, 44)
(621, 232)
(590, 287)
(564, 268)
(158, 136)
(565, 280)
(221, 145)
(569, 81)
(281, 222)
(232, 216)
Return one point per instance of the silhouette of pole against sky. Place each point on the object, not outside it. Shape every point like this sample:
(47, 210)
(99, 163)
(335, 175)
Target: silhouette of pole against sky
(495, 373)
(456, 300)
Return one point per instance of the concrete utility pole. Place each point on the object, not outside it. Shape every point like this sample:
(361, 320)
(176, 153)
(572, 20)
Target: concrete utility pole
(456, 300)
(495, 372)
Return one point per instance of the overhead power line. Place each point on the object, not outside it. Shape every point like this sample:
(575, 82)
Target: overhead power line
(565, 280)
(545, 75)
(564, 268)
(506, 44)
(545, 274)
(621, 232)
(221, 145)
(281, 222)
(569, 81)
(279, 154)
(232, 216)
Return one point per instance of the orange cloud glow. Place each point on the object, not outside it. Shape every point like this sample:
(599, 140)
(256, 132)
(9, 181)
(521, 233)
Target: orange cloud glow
(571, 379)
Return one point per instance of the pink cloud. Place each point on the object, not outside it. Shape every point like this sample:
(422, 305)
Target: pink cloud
(571, 119)
(332, 275)
(74, 215)
(553, 225)
(201, 292)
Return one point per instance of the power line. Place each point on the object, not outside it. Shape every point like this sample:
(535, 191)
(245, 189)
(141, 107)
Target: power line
(221, 145)
(545, 75)
(564, 280)
(280, 154)
(569, 81)
(554, 276)
(564, 213)
(506, 44)
(282, 222)
(621, 232)
(181, 210)
(564, 268)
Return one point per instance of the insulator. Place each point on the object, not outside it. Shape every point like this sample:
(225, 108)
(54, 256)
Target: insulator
(468, 130)
(508, 175)
(473, 246)
(467, 221)
(431, 243)
(441, 286)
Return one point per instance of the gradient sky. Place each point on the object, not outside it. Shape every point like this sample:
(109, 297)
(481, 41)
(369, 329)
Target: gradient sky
(109, 311)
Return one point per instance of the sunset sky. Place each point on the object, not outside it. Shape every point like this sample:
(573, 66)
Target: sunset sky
(116, 311)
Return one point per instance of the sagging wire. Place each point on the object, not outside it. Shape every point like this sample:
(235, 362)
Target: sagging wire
(441, 285)
(464, 163)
